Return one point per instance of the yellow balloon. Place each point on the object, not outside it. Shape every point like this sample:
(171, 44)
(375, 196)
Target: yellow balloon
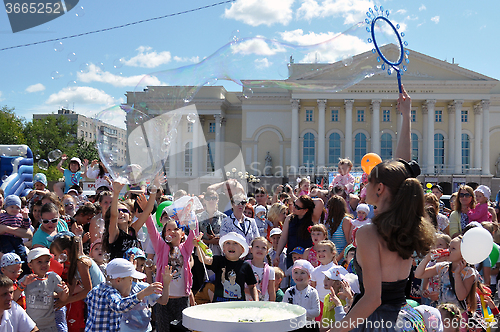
(429, 185)
(369, 161)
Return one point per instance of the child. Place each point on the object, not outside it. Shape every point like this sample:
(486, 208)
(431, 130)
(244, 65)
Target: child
(260, 219)
(14, 218)
(430, 286)
(304, 186)
(39, 289)
(318, 234)
(73, 175)
(349, 253)
(10, 265)
(297, 253)
(339, 294)
(326, 255)
(302, 293)
(279, 275)
(39, 189)
(109, 300)
(97, 255)
(50, 225)
(448, 272)
(480, 212)
(138, 258)
(275, 236)
(344, 180)
(451, 317)
(362, 210)
(231, 272)
(264, 274)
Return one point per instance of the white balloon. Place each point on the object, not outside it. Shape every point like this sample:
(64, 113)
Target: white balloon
(476, 245)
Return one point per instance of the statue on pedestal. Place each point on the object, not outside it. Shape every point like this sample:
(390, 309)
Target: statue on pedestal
(497, 166)
(269, 164)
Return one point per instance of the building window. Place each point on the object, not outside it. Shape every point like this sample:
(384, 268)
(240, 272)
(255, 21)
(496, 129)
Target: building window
(190, 127)
(334, 149)
(211, 127)
(309, 115)
(210, 157)
(465, 150)
(361, 115)
(335, 115)
(413, 115)
(386, 146)
(439, 151)
(465, 116)
(188, 159)
(439, 116)
(414, 146)
(386, 115)
(359, 148)
(308, 150)
(86, 134)
(82, 133)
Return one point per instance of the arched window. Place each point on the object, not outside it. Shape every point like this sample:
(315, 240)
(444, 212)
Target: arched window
(465, 151)
(359, 148)
(414, 147)
(210, 157)
(334, 149)
(188, 158)
(439, 151)
(308, 150)
(386, 146)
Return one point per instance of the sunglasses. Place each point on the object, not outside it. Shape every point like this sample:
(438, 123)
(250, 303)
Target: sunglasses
(298, 207)
(464, 195)
(211, 198)
(240, 203)
(46, 221)
(124, 211)
(68, 204)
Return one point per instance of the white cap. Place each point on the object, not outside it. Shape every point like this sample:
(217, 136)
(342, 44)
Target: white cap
(484, 190)
(432, 318)
(37, 252)
(336, 272)
(363, 207)
(233, 236)
(260, 208)
(303, 265)
(275, 231)
(353, 281)
(121, 268)
(76, 160)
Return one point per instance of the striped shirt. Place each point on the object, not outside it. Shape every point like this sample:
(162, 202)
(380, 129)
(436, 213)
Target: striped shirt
(14, 221)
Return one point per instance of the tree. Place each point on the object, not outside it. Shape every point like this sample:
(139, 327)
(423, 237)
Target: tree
(11, 127)
(86, 150)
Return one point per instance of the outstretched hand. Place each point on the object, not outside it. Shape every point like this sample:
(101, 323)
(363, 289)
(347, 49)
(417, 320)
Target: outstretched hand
(404, 102)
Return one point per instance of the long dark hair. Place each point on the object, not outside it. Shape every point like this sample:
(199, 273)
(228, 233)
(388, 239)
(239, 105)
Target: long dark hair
(403, 226)
(337, 210)
(306, 220)
(102, 171)
(71, 244)
(107, 218)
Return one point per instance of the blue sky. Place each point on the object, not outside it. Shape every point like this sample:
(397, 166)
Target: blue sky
(93, 72)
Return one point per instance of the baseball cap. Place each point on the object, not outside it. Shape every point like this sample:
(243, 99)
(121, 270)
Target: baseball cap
(76, 160)
(12, 200)
(72, 191)
(298, 250)
(121, 268)
(260, 208)
(336, 272)
(484, 190)
(40, 177)
(38, 252)
(233, 236)
(275, 231)
(303, 265)
(9, 259)
(138, 253)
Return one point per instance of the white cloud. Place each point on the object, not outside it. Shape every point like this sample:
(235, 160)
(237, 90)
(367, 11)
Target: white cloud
(340, 47)
(147, 59)
(1, 96)
(262, 63)
(35, 88)
(422, 8)
(80, 95)
(258, 12)
(351, 11)
(193, 59)
(435, 19)
(401, 11)
(95, 74)
(258, 46)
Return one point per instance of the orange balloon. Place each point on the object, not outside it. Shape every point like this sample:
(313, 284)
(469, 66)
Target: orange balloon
(369, 161)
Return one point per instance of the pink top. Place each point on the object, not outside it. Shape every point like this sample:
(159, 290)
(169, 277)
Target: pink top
(479, 213)
(162, 249)
(344, 180)
(303, 192)
(312, 257)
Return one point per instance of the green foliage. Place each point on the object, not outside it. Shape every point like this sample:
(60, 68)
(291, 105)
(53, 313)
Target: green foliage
(11, 127)
(86, 150)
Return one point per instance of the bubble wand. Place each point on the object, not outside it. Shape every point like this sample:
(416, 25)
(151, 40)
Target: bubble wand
(377, 14)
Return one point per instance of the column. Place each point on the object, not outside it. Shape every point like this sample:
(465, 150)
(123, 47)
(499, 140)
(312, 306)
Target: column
(430, 135)
(485, 104)
(458, 136)
(477, 136)
(376, 126)
(180, 150)
(348, 128)
(196, 145)
(172, 158)
(223, 141)
(321, 133)
(451, 138)
(217, 145)
(423, 161)
(295, 135)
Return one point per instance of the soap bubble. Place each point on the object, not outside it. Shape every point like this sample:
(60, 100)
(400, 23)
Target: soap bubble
(55, 75)
(43, 164)
(79, 11)
(118, 63)
(62, 258)
(191, 117)
(58, 46)
(72, 57)
(54, 155)
(72, 85)
(37, 157)
(149, 263)
(84, 67)
(4, 177)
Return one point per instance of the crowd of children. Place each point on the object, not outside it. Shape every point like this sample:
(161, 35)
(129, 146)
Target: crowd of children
(128, 263)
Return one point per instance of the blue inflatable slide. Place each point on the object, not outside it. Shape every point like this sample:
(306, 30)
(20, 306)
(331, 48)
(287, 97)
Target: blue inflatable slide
(16, 169)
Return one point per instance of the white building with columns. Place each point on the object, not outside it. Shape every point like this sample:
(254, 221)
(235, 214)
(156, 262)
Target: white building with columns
(455, 126)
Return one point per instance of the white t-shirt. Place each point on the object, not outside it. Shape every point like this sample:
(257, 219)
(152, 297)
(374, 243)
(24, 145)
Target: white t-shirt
(16, 320)
(318, 277)
(258, 272)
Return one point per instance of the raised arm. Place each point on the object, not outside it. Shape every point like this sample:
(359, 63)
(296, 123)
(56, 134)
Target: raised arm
(59, 166)
(113, 220)
(147, 208)
(403, 150)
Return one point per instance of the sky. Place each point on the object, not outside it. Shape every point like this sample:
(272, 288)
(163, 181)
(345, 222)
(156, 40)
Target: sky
(94, 71)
